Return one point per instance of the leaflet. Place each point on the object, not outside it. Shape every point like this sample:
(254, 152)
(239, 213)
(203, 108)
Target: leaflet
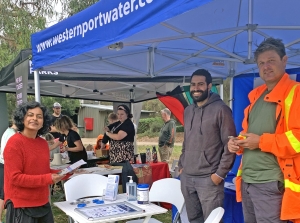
(72, 167)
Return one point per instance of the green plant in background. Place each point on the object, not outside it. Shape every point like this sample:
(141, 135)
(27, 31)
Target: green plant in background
(179, 128)
(68, 105)
(145, 124)
(155, 126)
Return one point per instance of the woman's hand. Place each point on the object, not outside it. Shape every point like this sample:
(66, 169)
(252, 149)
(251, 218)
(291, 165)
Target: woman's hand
(65, 148)
(57, 177)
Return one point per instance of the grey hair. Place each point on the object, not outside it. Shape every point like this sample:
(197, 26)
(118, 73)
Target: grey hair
(270, 44)
(166, 111)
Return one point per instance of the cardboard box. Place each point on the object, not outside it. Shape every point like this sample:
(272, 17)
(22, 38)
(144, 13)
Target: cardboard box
(102, 152)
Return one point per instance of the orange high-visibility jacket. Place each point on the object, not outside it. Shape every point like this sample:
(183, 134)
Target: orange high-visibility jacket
(284, 143)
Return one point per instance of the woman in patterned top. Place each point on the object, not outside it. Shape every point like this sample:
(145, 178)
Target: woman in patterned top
(121, 150)
(121, 134)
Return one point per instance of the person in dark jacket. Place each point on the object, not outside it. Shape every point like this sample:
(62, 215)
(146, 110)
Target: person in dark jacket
(166, 135)
(205, 159)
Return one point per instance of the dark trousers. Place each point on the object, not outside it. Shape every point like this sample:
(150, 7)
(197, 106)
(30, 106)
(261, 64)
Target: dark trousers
(127, 170)
(262, 202)
(1, 181)
(17, 215)
(201, 196)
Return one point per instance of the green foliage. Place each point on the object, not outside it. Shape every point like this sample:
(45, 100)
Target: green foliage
(74, 6)
(153, 105)
(150, 125)
(18, 20)
(179, 128)
(156, 126)
(68, 105)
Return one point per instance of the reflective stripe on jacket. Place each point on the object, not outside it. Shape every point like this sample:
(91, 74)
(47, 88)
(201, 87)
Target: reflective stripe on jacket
(284, 144)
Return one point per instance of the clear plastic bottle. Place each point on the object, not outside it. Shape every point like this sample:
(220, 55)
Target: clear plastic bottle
(131, 190)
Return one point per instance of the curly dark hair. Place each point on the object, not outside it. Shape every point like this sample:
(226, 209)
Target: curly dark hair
(21, 111)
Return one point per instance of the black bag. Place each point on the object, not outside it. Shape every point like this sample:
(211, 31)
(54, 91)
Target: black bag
(41, 214)
(127, 170)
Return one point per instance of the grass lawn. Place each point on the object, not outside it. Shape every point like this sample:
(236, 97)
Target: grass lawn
(60, 217)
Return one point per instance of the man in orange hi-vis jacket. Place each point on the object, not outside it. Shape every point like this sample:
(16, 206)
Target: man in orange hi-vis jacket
(268, 181)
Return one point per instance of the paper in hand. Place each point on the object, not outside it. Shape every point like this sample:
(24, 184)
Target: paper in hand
(72, 167)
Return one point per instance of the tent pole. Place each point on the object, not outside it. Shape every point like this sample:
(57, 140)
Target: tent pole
(231, 92)
(221, 91)
(37, 86)
(250, 32)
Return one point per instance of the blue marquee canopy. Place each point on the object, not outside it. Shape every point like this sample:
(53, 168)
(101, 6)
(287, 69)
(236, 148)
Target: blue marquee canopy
(104, 23)
(154, 38)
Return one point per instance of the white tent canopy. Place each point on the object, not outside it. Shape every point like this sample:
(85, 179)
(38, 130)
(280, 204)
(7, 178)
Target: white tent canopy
(90, 86)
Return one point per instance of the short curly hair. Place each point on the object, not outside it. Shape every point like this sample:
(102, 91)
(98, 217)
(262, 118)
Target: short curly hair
(22, 110)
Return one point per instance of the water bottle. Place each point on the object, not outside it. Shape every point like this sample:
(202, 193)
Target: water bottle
(148, 155)
(154, 155)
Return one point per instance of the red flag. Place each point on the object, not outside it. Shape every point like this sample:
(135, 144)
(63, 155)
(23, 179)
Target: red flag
(174, 101)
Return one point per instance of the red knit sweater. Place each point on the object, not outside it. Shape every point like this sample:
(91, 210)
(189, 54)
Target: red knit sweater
(27, 171)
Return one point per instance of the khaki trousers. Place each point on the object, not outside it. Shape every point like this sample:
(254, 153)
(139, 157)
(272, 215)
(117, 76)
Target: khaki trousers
(165, 153)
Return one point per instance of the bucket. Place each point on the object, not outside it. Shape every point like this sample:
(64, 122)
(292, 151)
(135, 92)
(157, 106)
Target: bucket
(143, 194)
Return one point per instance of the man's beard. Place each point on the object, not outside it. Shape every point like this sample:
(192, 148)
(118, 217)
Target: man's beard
(200, 98)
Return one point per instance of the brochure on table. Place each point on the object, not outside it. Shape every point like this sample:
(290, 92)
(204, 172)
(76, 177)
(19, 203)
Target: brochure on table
(112, 187)
(108, 211)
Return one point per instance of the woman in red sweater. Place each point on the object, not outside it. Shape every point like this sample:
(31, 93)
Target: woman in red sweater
(27, 173)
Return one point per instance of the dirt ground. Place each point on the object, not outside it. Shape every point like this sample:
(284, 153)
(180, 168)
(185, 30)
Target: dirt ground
(140, 140)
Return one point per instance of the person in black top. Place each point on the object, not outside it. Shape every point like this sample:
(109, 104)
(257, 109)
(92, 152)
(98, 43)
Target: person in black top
(121, 134)
(75, 148)
(56, 114)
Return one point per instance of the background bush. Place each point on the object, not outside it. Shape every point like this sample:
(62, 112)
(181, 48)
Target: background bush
(179, 128)
(150, 124)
